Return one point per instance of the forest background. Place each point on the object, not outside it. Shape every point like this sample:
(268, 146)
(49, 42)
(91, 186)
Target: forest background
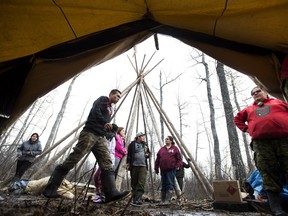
(187, 83)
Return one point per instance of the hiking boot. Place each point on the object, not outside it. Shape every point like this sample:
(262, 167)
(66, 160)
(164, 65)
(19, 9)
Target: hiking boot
(138, 198)
(163, 196)
(275, 203)
(169, 194)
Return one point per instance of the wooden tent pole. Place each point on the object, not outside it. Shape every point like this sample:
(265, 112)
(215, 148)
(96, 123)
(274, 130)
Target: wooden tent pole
(201, 178)
(160, 142)
(150, 145)
(53, 159)
(40, 157)
(154, 122)
(129, 130)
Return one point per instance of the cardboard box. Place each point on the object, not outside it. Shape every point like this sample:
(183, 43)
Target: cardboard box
(227, 191)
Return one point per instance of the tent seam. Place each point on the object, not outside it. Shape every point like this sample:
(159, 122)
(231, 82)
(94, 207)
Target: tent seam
(216, 21)
(65, 18)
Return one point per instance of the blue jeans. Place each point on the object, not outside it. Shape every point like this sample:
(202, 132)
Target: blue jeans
(167, 179)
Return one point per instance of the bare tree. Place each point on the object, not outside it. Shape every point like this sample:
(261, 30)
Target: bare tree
(181, 106)
(60, 115)
(244, 136)
(26, 122)
(216, 148)
(161, 86)
(4, 137)
(206, 131)
(237, 162)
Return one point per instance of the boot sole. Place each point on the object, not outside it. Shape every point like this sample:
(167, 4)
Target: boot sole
(53, 196)
(116, 200)
(139, 205)
(163, 204)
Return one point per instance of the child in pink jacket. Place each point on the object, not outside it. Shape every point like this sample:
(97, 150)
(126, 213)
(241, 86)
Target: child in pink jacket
(120, 150)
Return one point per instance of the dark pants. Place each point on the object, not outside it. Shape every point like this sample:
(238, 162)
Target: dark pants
(167, 180)
(116, 164)
(271, 159)
(180, 182)
(22, 166)
(138, 178)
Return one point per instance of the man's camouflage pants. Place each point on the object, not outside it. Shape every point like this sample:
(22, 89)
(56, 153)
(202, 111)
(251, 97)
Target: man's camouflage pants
(271, 159)
(89, 142)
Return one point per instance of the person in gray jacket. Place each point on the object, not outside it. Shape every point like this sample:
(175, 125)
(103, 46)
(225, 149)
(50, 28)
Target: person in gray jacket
(26, 154)
(138, 154)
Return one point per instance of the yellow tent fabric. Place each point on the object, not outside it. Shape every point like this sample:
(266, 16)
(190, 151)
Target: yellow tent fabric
(52, 41)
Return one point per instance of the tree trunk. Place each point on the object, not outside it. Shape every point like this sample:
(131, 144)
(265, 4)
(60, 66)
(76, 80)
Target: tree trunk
(251, 167)
(217, 155)
(59, 118)
(237, 162)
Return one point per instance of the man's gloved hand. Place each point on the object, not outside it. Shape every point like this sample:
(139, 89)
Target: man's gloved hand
(114, 128)
(26, 153)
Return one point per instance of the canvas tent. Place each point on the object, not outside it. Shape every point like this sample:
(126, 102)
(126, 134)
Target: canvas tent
(45, 43)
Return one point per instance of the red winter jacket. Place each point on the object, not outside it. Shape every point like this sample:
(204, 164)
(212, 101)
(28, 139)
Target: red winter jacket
(268, 121)
(168, 159)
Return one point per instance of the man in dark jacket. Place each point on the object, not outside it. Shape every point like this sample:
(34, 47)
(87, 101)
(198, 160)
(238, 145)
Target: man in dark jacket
(92, 138)
(138, 152)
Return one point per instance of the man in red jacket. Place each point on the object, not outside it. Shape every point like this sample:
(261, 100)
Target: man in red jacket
(266, 120)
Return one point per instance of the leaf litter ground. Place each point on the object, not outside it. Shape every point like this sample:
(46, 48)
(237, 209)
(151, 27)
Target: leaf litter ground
(14, 205)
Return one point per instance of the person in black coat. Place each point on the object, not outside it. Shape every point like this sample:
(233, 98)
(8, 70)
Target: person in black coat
(93, 138)
(180, 173)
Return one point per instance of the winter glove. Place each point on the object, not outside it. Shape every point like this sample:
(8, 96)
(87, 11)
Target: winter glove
(114, 128)
(109, 136)
(26, 153)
